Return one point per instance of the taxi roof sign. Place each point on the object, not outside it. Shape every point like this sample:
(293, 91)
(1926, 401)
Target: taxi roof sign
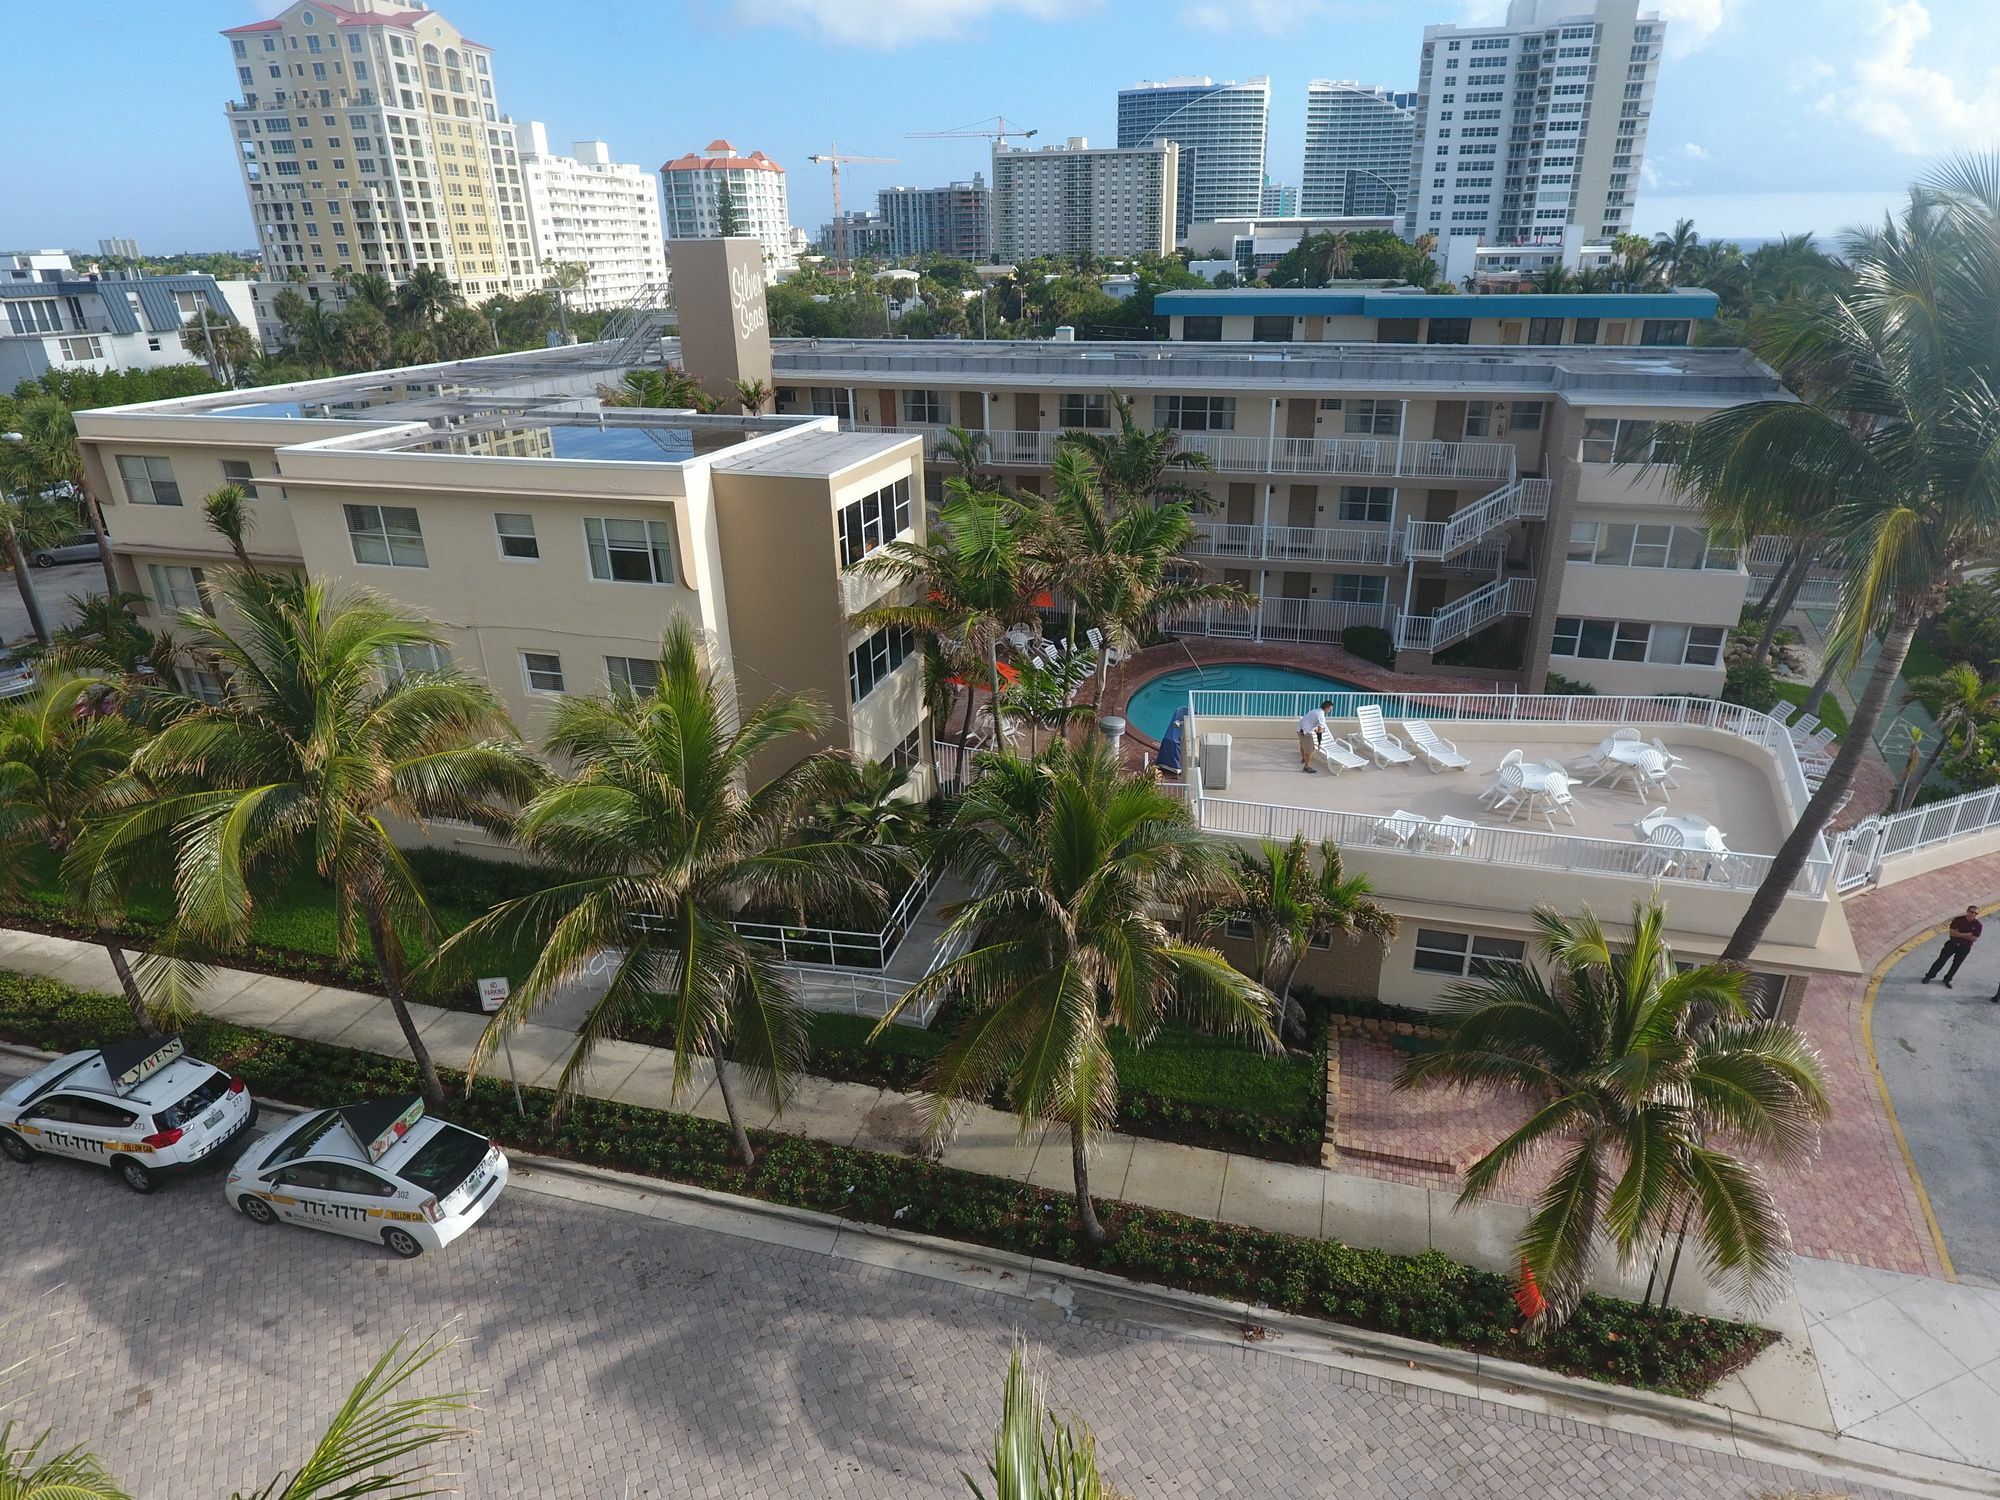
(380, 1123)
(130, 1063)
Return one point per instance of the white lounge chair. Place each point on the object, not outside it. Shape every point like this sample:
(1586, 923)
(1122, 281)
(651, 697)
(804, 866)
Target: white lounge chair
(1401, 829)
(1376, 739)
(1439, 754)
(1455, 834)
(1782, 710)
(1341, 757)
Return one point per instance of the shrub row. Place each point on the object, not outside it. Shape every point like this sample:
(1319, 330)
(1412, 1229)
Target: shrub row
(1427, 1296)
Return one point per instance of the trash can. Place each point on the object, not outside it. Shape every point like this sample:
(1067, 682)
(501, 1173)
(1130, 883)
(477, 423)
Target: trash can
(1215, 762)
(1112, 727)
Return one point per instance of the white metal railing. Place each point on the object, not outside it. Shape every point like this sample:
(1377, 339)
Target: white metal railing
(1870, 844)
(1274, 618)
(1296, 543)
(1523, 499)
(846, 993)
(1467, 616)
(837, 947)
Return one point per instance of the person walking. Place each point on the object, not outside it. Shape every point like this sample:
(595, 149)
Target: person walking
(1964, 932)
(1312, 727)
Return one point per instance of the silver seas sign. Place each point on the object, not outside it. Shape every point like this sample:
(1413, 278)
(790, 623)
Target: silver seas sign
(746, 297)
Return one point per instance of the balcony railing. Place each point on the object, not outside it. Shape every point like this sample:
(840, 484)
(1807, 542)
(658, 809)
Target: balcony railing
(1242, 453)
(1297, 543)
(1464, 617)
(1520, 500)
(1274, 618)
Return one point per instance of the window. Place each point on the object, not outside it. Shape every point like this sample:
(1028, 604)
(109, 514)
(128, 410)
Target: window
(1376, 418)
(1545, 330)
(870, 663)
(1660, 644)
(930, 408)
(90, 346)
(624, 551)
(1271, 329)
(176, 588)
(236, 471)
(632, 676)
(415, 656)
(867, 523)
(517, 536)
(1585, 331)
(1665, 331)
(908, 754)
(1449, 331)
(544, 671)
(1201, 330)
(1195, 413)
(1359, 588)
(1083, 411)
(1366, 502)
(1479, 419)
(197, 683)
(102, 1116)
(1627, 440)
(149, 481)
(386, 536)
(1525, 416)
(1686, 645)
(1465, 954)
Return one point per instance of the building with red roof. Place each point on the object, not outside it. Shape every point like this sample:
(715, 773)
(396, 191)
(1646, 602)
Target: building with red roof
(695, 185)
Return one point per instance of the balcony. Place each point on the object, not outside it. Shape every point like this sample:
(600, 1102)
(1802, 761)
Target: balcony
(1741, 774)
(1275, 618)
(1378, 547)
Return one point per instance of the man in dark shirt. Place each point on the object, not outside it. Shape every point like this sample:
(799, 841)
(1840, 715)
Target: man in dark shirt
(1965, 930)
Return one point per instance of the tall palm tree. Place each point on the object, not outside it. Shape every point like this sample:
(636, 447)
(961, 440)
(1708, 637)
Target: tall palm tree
(427, 295)
(1898, 443)
(1671, 250)
(1648, 1082)
(1139, 465)
(64, 761)
(227, 512)
(655, 841)
(49, 445)
(28, 523)
(1075, 857)
(370, 289)
(313, 749)
(312, 333)
(1291, 905)
(1965, 700)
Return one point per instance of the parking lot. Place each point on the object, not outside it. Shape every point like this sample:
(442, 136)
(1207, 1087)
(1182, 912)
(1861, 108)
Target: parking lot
(619, 1356)
(54, 587)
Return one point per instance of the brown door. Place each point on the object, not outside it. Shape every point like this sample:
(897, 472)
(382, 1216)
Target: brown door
(1242, 504)
(970, 404)
(1299, 414)
(1027, 412)
(1304, 505)
(1429, 596)
(1450, 424)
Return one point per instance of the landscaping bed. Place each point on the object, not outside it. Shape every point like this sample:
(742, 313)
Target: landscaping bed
(1428, 1296)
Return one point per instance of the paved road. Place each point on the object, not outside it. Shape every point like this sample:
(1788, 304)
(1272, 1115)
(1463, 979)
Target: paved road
(53, 586)
(621, 1358)
(1939, 1050)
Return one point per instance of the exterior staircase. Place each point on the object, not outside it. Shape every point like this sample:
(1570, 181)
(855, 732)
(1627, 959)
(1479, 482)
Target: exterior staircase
(1437, 541)
(1468, 616)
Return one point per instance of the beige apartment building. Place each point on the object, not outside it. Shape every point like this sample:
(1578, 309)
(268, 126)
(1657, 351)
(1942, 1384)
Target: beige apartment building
(371, 141)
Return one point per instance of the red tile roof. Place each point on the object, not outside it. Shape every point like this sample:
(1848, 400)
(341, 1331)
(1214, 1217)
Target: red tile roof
(722, 155)
(407, 19)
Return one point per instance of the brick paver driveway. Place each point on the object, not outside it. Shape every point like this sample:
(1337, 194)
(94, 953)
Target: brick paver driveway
(621, 1357)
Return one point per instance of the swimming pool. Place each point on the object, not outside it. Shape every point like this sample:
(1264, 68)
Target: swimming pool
(1151, 709)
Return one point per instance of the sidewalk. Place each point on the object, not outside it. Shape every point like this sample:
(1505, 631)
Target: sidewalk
(1782, 1384)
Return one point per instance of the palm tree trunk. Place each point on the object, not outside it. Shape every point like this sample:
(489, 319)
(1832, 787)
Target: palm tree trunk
(1797, 848)
(1674, 1265)
(993, 682)
(26, 585)
(388, 964)
(1086, 1211)
(1828, 669)
(1778, 578)
(1795, 580)
(1912, 784)
(95, 516)
(743, 1149)
(142, 1016)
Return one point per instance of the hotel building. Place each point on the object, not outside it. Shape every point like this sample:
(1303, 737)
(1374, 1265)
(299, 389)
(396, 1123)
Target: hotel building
(590, 210)
(1220, 129)
(1358, 144)
(694, 184)
(1069, 199)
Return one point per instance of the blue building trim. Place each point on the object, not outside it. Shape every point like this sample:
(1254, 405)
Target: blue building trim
(1688, 302)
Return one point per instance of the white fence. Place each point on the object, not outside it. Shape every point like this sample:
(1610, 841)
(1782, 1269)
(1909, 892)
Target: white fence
(1862, 851)
(1274, 618)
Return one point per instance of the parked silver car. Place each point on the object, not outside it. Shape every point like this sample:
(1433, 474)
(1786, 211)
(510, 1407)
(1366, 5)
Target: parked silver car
(79, 548)
(17, 677)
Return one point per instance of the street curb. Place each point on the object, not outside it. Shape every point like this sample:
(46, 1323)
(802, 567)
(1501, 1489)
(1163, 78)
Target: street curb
(1244, 1325)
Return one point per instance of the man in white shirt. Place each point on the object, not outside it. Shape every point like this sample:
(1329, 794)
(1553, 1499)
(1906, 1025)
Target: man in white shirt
(1312, 724)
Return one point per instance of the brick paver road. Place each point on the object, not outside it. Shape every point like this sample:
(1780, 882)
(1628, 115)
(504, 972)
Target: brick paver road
(622, 1358)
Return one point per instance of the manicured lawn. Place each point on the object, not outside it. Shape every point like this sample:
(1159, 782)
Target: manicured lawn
(1831, 713)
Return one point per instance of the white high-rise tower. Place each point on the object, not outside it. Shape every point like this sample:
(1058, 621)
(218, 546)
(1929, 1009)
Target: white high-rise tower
(1358, 142)
(1220, 128)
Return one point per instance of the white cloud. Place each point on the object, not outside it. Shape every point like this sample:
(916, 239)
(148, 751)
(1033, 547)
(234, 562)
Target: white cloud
(1690, 23)
(1914, 107)
(888, 24)
(1276, 17)
(1694, 152)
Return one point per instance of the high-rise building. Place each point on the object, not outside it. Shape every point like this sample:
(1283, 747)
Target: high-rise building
(370, 141)
(953, 220)
(866, 236)
(756, 184)
(1220, 128)
(1531, 127)
(1070, 199)
(1358, 141)
(129, 249)
(590, 210)
(1279, 200)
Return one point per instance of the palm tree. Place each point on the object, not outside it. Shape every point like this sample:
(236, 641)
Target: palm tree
(227, 512)
(312, 750)
(1670, 251)
(1646, 1081)
(1292, 906)
(671, 388)
(312, 332)
(1036, 1456)
(1075, 857)
(1137, 464)
(222, 343)
(1965, 701)
(867, 802)
(1551, 280)
(64, 760)
(427, 295)
(55, 460)
(29, 522)
(1897, 444)
(656, 841)
(73, 1474)
(370, 289)
(965, 449)
(752, 395)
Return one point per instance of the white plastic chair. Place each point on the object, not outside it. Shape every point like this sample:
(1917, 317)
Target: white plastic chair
(1340, 756)
(1626, 732)
(1555, 798)
(1508, 791)
(1511, 758)
(1649, 817)
(1439, 754)
(1671, 761)
(1594, 758)
(1384, 746)
(1664, 848)
(1651, 775)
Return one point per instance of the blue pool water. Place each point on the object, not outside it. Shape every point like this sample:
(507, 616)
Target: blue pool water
(1151, 709)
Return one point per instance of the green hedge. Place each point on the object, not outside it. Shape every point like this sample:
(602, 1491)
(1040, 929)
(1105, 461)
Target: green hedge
(1425, 1296)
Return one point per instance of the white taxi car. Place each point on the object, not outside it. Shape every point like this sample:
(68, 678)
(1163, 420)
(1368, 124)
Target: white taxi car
(382, 1170)
(144, 1108)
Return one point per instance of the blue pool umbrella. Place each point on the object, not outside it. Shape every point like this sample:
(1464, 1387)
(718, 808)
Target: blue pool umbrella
(1169, 758)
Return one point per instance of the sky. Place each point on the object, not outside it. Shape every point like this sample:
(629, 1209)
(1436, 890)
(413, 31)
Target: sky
(1773, 116)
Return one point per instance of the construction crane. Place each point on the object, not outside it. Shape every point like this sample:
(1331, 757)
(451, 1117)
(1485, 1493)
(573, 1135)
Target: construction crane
(832, 158)
(1000, 133)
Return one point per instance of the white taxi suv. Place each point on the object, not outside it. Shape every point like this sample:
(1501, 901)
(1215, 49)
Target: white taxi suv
(382, 1170)
(143, 1108)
